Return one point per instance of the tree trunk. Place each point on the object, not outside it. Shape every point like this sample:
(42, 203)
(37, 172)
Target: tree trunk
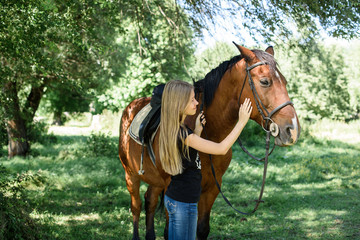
(18, 119)
(33, 100)
(16, 124)
(57, 118)
(18, 142)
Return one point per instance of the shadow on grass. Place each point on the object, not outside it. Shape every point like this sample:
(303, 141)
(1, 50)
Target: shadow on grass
(80, 197)
(310, 212)
(313, 194)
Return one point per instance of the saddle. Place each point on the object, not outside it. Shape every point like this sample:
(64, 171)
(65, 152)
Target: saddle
(146, 123)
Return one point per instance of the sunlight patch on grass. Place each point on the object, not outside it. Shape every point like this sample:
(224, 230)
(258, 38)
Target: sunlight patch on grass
(335, 130)
(317, 223)
(80, 218)
(70, 131)
(316, 186)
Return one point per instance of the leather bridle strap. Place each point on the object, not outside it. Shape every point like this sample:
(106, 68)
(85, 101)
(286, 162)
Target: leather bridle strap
(280, 107)
(258, 102)
(220, 191)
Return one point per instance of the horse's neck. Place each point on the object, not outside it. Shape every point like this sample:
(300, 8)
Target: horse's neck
(223, 113)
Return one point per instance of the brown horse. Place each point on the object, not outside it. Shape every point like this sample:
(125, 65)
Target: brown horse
(222, 90)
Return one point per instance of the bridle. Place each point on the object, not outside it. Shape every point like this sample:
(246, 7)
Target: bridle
(270, 129)
(273, 128)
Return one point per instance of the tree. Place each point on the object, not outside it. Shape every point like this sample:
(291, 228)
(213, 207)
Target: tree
(63, 98)
(211, 58)
(317, 82)
(279, 18)
(157, 50)
(44, 44)
(79, 47)
(351, 60)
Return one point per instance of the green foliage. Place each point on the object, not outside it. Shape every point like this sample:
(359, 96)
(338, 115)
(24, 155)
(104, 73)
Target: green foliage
(38, 133)
(252, 135)
(155, 50)
(352, 52)
(52, 45)
(15, 220)
(3, 134)
(65, 98)
(268, 20)
(100, 145)
(317, 80)
(211, 58)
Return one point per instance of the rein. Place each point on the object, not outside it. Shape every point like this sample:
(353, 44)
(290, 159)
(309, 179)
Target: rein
(273, 130)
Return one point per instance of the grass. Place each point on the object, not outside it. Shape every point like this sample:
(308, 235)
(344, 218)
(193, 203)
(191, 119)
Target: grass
(312, 189)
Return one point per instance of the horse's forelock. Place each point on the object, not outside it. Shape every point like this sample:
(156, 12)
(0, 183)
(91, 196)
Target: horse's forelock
(267, 58)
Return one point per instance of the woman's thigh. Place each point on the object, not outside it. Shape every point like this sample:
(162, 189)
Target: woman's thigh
(182, 219)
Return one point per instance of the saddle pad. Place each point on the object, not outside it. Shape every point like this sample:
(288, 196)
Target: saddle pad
(135, 124)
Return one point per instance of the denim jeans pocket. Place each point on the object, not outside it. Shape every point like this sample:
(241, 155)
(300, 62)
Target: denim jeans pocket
(170, 206)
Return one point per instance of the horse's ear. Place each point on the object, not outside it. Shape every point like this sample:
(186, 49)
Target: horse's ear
(270, 50)
(246, 53)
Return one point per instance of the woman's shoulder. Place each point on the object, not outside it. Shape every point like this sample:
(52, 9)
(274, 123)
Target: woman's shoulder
(187, 130)
(184, 132)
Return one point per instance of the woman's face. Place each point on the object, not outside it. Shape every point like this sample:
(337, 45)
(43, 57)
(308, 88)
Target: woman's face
(191, 106)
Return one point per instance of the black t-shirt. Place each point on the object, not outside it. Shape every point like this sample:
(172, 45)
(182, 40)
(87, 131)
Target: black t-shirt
(186, 187)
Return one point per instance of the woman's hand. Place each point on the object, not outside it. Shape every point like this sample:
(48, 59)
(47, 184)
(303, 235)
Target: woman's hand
(199, 123)
(207, 146)
(245, 111)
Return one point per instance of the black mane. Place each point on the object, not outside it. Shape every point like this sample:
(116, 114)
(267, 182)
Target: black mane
(210, 83)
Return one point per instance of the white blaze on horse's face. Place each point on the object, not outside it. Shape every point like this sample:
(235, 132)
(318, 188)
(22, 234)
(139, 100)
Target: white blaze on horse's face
(295, 131)
(277, 75)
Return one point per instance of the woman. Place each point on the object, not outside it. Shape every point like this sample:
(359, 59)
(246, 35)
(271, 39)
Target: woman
(179, 147)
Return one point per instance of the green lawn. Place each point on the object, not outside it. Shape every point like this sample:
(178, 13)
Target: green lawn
(312, 189)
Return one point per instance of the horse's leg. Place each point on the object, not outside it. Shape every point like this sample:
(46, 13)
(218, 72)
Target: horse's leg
(205, 204)
(151, 201)
(166, 230)
(133, 185)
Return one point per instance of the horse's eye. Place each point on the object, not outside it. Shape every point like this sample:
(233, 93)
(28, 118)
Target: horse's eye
(265, 82)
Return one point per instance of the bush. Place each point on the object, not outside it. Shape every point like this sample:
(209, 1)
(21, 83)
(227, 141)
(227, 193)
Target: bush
(101, 145)
(38, 132)
(15, 220)
(3, 134)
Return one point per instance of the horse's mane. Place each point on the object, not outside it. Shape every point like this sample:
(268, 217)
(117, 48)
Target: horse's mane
(212, 79)
(210, 83)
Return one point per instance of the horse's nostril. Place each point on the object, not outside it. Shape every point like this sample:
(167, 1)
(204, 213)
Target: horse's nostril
(290, 133)
(289, 130)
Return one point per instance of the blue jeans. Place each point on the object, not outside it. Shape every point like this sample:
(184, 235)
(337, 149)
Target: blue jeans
(182, 219)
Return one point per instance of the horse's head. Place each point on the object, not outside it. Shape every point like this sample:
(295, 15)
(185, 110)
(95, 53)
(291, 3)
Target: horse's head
(266, 87)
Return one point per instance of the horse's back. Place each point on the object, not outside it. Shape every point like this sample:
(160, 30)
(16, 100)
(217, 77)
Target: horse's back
(126, 119)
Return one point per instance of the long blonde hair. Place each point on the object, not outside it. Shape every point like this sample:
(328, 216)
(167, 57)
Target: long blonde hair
(175, 98)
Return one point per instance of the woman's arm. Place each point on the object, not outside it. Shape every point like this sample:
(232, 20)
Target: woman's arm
(210, 147)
